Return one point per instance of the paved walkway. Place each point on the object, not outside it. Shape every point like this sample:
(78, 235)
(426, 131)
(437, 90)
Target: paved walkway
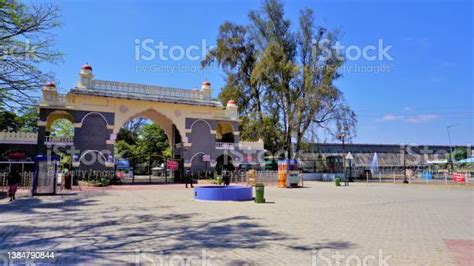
(402, 224)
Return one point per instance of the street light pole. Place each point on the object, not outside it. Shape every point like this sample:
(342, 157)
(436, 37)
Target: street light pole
(342, 137)
(450, 158)
(405, 179)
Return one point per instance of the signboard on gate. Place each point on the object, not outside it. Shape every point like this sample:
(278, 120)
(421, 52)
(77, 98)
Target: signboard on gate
(172, 165)
(458, 178)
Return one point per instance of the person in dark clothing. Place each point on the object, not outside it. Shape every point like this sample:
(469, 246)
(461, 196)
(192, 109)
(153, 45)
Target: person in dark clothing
(13, 181)
(188, 179)
(67, 179)
(226, 177)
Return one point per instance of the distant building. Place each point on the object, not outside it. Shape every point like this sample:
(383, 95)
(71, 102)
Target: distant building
(328, 157)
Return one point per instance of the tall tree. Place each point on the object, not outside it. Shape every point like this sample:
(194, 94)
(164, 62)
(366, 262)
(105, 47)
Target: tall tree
(25, 43)
(8, 121)
(28, 119)
(25, 120)
(281, 77)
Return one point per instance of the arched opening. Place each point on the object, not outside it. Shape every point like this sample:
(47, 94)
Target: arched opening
(198, 164)
(224, 162)
(62, 128)
(224, 132)
(60, 124)
(59, 131)
(143, 146)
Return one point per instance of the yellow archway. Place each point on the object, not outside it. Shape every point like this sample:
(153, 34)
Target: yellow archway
(159, 119)
(225, 132)
(55, 116)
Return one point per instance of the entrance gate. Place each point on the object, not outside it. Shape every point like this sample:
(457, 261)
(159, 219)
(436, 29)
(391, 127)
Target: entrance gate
(194, 123)
(149, 169)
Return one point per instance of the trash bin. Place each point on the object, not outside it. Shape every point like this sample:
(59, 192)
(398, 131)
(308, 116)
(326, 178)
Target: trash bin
(259, 193)
(338, 181)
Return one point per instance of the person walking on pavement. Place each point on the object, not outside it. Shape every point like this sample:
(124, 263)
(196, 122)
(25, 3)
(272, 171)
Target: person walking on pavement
(188, 179)
(13, 180)
(226, 177)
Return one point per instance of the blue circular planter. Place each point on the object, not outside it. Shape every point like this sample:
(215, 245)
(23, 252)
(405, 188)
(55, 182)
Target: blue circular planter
(223, 193)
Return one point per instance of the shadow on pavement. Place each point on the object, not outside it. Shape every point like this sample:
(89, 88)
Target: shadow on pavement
(114, 234)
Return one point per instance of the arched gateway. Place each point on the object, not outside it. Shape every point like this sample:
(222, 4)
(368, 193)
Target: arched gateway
(196, 126)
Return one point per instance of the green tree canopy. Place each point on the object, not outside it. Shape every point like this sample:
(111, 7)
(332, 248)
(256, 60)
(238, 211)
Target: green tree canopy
(459, 154)
(281, 78)
(140, 138)
(62, 128)
(23, 121)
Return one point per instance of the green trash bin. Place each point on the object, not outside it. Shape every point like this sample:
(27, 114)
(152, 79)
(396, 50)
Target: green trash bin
(259, 193)
(338, 181)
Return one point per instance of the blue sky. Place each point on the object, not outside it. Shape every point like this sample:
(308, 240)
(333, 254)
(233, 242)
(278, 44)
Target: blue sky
(427, 86)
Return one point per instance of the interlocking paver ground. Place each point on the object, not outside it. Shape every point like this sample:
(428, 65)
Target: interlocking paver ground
(164, 225)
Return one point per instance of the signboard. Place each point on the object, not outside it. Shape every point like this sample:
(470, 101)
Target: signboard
(206, 158)
(172, 165)
(123, 164)
(349, 156)
(16, 155)
(458, 178)
(288, 174)
(44, 181)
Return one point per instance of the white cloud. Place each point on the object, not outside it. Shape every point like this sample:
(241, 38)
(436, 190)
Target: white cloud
(390, 117)
(414, 119)
(421, 118)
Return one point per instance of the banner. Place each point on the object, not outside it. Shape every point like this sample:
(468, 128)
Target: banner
(458, 178)
(172, 165)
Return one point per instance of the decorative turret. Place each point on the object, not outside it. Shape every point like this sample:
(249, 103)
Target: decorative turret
(85, 77)
(50, 86)
(231, 109)
(50, 94)
(206, 90)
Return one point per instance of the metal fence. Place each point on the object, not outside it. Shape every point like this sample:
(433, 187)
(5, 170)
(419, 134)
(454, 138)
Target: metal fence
(411, 175)
(26, 180)
(242, 177)
(267, 177)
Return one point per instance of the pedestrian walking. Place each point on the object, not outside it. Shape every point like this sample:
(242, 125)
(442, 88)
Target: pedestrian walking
(226, 177)
(188, 179)
(13, 181)
(67, 179)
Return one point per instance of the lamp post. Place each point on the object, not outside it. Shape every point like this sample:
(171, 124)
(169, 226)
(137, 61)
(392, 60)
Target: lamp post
(342, 138)
(405, 179)
(349, 157)
(450, 158)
